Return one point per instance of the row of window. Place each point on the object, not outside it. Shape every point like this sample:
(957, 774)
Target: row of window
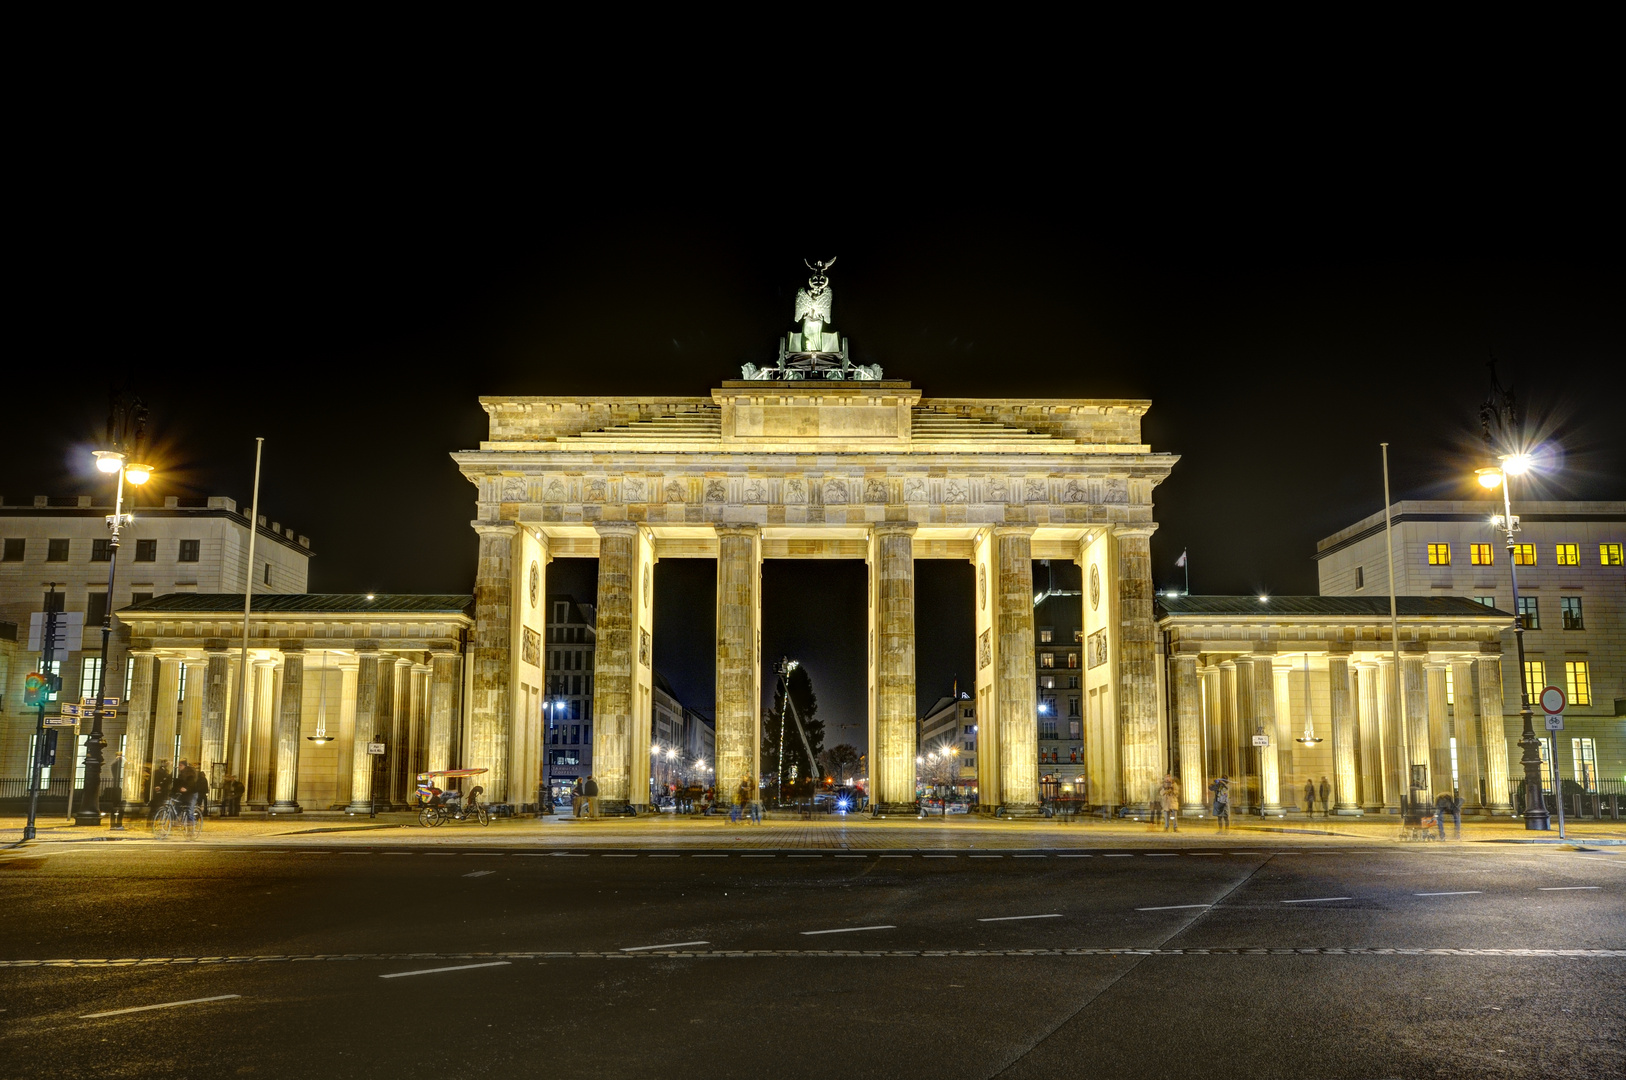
(1049, 660)
(1577, 680)
(1569, 611)
(58, 550)
(1047, 635)
(571, 734)
(1048, 682)
(1525, 554)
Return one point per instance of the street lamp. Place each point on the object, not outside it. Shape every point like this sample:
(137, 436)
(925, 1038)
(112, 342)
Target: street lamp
(126, 426)
(1535, 806)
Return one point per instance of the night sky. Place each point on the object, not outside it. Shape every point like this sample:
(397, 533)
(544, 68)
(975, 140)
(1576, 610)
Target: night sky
(1280, 337)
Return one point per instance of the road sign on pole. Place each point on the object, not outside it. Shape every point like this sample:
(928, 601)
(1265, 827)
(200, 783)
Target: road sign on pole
(1555, 721)
(1261, 740)
(1553, 700)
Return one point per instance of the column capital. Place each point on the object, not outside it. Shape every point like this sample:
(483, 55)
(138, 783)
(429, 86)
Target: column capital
(495, 528)
(893, 528)
(1013, 530)
(1412, 649)
(1489, 649)
(616, 528)
(145, 649)
(1139, 528)
(1340, 648)
(292, 648)
(741, 528)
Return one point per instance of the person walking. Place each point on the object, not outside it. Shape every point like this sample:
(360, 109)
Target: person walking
(189, 784)
(160, 789)
(1326, 797)
(576, 798)
(736, 812)
(1448, 803)
(1309, 797)
(1169, 795)
(754, 803)
(590, 794)
(1222, 802)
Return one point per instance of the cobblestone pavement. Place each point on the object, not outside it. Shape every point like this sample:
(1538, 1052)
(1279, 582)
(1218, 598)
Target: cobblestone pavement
(786, 831)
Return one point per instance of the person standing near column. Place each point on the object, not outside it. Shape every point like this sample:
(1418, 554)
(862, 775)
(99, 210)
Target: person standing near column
(1222, 803)
(1326, 798)
(1309, 797)
(1169, 794)
(590, 793)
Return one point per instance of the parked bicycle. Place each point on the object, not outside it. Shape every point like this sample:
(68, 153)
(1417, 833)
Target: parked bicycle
(172, 816)
(439, 807)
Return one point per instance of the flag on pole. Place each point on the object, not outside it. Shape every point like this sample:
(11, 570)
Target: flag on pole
(1181, 561)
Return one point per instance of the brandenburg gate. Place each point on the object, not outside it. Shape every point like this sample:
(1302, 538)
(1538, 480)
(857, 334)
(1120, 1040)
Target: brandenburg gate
(812, 458)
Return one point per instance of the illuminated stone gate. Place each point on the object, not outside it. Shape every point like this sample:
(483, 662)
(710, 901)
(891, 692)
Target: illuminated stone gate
(816, 458)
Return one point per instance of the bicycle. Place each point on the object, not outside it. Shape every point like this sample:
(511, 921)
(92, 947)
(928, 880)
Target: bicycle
(170, 816)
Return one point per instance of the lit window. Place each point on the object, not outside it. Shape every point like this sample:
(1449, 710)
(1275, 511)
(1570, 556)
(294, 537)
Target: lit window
(1578, 682)
(1586, 763)
(1534, 680)
(54, 668)
(1568, 555)
(1481, 555)
(1530, 608)
(1044, 636)
(1072, 659)
(1609, 554)
(1439, 554)
(1450, 688)
(1047, 659)
(1048, 682)
(1524, 554)
(1488, 601)
(1569, 608)
(45, 770)
(90, 668)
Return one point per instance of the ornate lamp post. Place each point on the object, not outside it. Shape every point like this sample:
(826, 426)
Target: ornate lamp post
(126, 428)
(1535, 807)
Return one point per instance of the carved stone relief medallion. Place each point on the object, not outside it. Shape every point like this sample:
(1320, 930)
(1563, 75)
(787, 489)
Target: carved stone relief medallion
(535, 583)
(556, 491)
(716, 490)
(982, 588)
(835, 491)
(914, 490)
(1095, 586)
(674, 492)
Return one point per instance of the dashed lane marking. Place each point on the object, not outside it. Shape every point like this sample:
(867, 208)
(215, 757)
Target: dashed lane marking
(1566, 888)
(1018, 918)
(182, 961)
(846, 930)
(1318, 900)
(674, 945)
(480, 873)
(165, 1005)
(1173, 907)
(438, 971)
(1465, 892)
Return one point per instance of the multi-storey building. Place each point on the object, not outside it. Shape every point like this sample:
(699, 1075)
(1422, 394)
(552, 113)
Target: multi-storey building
(182, 546)
(1059, 643)
(1572, 594)
(950, 726)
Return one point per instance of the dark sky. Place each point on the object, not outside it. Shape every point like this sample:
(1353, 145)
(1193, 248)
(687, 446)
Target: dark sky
(1285, 308)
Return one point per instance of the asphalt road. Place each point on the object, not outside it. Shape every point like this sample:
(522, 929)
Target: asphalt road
(357, 961)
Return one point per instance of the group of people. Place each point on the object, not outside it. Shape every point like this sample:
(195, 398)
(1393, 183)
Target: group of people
(1168, 797)
(189, 787)
(584, 800)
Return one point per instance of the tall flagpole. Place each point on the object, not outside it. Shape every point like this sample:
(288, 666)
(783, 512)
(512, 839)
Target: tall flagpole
(242, 741)
(1399, 703)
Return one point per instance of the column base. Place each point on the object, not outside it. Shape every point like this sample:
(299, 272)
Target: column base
(1020, 811)
(278, 809)
(1194, 811)
(1273, 811)
(356, 808)
(1348, 811)
(612, 808)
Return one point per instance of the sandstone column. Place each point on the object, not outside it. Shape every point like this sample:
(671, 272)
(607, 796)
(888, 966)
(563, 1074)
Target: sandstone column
(490, 716)
(892, 629)
(1391, 714)
(288, 734)
(1188, 710)
(1414, 686)
(739, 612)
(166, 714)
(1465, 724)
(1142, 735)
(397, 748)
(1439, 730)
(1264, 705)
(1346, 788)
(363, 731)
(1233, 740)
(1498, 799)
(1288, 757)
(196, 688)
(1213, 724)
(213, 728)
(261, 745)
(345, 733)
(1371, 736)
(138, 747)
(446, 679)
(420, 726)
(1016, 717)
(1246, 792)
(615, 689)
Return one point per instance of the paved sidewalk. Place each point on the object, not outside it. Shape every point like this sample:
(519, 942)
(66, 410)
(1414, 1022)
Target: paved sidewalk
(786, 830)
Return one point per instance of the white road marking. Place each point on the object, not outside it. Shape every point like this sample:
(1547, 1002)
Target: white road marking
(1174, 907)
(1318, 900)
(674, 945)
(1018, 918)
(1566, 888)
(480, 873)
(165, 1005)
(846, 930)
(1466, 892)
(535, 854)
(437, 971)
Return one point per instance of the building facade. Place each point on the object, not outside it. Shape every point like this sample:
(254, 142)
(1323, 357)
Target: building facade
(1571, 564)
(1280, 692)
(949, 728)
(1059, 634)
(181, 546)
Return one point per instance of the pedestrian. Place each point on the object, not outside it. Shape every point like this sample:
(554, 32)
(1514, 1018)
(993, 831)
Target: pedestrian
(234, 796)
(577, 800)
(736, 813)
(1448, 803)
(1169, 794)
(160, 789)
(754, 803)
(1309, 796)
(590, 794)
(188, 785)
(1222, 802)
(706, 799)
(1326, 794)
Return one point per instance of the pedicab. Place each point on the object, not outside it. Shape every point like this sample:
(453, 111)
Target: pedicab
(439, 807)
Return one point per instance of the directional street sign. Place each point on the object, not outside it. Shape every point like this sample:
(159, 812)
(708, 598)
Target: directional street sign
(1261, 740)
(61, 721)
(1555, 721)
(87, 703)
(375, 748)
(1553, 700)
(69, 709)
